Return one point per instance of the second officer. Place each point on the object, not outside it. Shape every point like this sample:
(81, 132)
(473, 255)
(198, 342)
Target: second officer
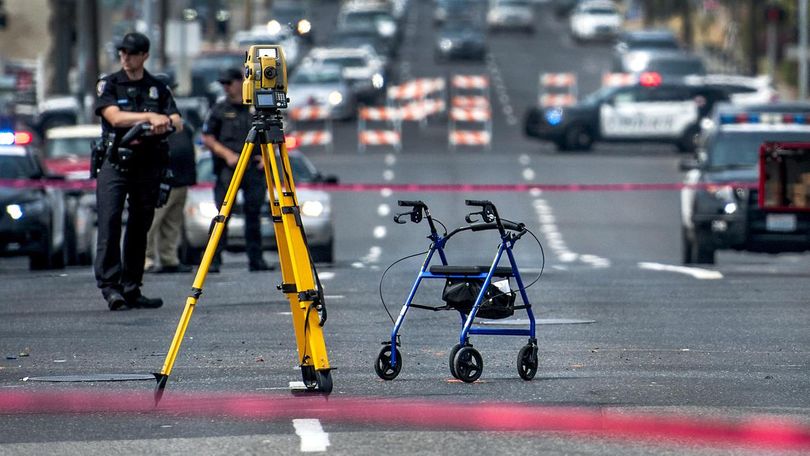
(224, 133)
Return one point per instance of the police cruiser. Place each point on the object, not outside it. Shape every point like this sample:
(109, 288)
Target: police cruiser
(720, 199)
(647, 110)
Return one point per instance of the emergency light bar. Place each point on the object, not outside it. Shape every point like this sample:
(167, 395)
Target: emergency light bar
(763, 118)
(20, 138)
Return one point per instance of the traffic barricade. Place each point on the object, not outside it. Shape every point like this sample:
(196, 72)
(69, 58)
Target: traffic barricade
(618, 79)
(311, 127)
(379, 126)
(470, 126)
(557, 88)
(419, 99)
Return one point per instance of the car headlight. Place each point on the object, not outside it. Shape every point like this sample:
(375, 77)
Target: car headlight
(335, 98)
(18, 211)
(386, 28)
(312, 208)
(274, 27)
(304, 26)
(377, 81)
(554, 116)
(721, 192)
(445, 44)
(208, 209)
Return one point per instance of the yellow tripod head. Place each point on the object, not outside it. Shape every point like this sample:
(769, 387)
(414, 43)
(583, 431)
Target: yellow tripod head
(265, 84)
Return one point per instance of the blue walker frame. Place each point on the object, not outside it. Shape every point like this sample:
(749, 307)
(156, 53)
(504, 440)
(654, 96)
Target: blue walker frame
(465, 362)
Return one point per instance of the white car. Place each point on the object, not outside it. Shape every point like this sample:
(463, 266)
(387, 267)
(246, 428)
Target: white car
(511, 15)
(325, 86)
(315, 205)
(595, 20)
(362, 68)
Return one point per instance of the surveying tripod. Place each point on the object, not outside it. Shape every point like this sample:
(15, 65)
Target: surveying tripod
(299, 278)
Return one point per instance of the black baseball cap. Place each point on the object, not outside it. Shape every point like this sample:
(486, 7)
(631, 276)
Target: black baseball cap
(134, 42)
(230, 74)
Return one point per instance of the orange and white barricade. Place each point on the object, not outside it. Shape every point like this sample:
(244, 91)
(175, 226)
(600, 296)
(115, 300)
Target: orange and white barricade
(477, 130)
(557, 84)
(311, 127)
(379, 126)
(470, 119)
(618, 79)
(419, 99)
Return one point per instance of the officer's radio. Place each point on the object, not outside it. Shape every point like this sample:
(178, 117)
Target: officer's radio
(265, 84)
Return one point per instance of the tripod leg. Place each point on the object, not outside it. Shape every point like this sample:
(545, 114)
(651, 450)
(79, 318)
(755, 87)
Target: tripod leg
(298, 274)
(208, 256)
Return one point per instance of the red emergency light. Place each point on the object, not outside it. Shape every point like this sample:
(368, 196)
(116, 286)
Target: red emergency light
(22, 138)
(650, 79)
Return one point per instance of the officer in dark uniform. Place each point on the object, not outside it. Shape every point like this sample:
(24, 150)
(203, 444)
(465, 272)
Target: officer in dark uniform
(126, 98)
(224, 133)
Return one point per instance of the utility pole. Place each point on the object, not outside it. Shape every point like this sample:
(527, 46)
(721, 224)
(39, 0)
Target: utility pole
(802, 50)
(88, 67)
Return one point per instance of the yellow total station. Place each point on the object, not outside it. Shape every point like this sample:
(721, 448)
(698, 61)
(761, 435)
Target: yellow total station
(265, 87)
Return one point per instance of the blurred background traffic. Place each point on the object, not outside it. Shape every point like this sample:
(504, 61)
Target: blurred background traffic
(689, 58)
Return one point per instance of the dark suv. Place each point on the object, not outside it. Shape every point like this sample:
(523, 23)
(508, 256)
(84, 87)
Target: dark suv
(720, 201)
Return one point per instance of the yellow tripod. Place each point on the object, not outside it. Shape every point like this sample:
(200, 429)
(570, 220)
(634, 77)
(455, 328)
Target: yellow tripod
(299, 278)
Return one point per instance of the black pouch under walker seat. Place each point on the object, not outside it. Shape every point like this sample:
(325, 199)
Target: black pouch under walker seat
(460, 294)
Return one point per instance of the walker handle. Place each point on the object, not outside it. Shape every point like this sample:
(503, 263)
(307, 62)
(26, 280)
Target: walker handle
(494, 226)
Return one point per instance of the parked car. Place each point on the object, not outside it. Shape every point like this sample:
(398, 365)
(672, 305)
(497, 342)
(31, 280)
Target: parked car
(509, 15)
(666, 63)
(315, 205)
(742, 90)
(595, 20)
(323, 85)
(460, 40)
(33, 217)
(647, 39)
(293, 15)
(362, 69)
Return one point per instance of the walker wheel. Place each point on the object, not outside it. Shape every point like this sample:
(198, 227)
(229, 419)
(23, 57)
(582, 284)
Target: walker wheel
(324, 381)
(383, 365)
(453, 352)
(527, 361)
(310, 378)
(468, 364)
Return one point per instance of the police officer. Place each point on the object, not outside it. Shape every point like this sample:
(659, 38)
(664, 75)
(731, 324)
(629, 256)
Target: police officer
(224, 133)
(126, 98)
(164, 235)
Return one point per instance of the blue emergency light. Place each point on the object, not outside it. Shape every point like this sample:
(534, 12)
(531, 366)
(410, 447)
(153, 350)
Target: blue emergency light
(10, 138)
(762, 117)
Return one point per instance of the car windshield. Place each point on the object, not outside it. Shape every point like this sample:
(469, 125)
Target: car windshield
(303, 171)
(741, 149)
(680, 67)
(16, 167)
(600, 10)
(514, 3)
(345, 62)
(68, 147)
(320, 76)
(652, 43)
(599, 95)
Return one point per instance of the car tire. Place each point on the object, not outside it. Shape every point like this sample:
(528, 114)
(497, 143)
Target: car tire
(323, 253)
(578, 137)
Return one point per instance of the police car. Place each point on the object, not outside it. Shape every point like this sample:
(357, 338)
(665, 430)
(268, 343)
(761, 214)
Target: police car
(720, 201)
(648, 110)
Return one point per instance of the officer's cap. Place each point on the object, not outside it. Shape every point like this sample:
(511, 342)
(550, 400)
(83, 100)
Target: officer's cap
(230, 74)
(134, 42)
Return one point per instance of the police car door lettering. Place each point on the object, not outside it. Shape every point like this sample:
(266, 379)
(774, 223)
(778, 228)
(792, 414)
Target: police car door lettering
(654, 119)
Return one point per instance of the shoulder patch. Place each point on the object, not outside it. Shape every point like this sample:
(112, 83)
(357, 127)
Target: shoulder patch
(153, 93)
(100, 86)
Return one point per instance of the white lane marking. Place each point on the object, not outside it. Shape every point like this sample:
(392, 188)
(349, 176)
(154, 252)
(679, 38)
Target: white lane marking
(698, 273)
(326, 275)
(386, 192)
(313, 437)
(388, 175)
(524, 159)
(379, 232)
(554, 239)
(383, 210)
(500, 91)
(390, 160)
(373, 255)
(528, 174)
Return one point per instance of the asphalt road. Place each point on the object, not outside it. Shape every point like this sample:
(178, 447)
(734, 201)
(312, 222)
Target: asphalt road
(721, 346)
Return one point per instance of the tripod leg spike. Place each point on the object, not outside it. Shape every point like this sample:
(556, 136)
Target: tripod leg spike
(160, 386)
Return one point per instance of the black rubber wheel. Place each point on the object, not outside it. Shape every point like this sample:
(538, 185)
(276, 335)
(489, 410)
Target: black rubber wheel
(309, 376)
(527, 361)
(453, 352)
(324, 381)
(468, 364)
(578, 137)
(383, 365)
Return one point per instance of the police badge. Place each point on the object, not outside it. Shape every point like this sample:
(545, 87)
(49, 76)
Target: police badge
(153, 93)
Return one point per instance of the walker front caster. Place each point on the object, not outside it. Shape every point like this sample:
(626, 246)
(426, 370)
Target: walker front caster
(383, 365)
(468, 364)
(527, 361)
(453, 352)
